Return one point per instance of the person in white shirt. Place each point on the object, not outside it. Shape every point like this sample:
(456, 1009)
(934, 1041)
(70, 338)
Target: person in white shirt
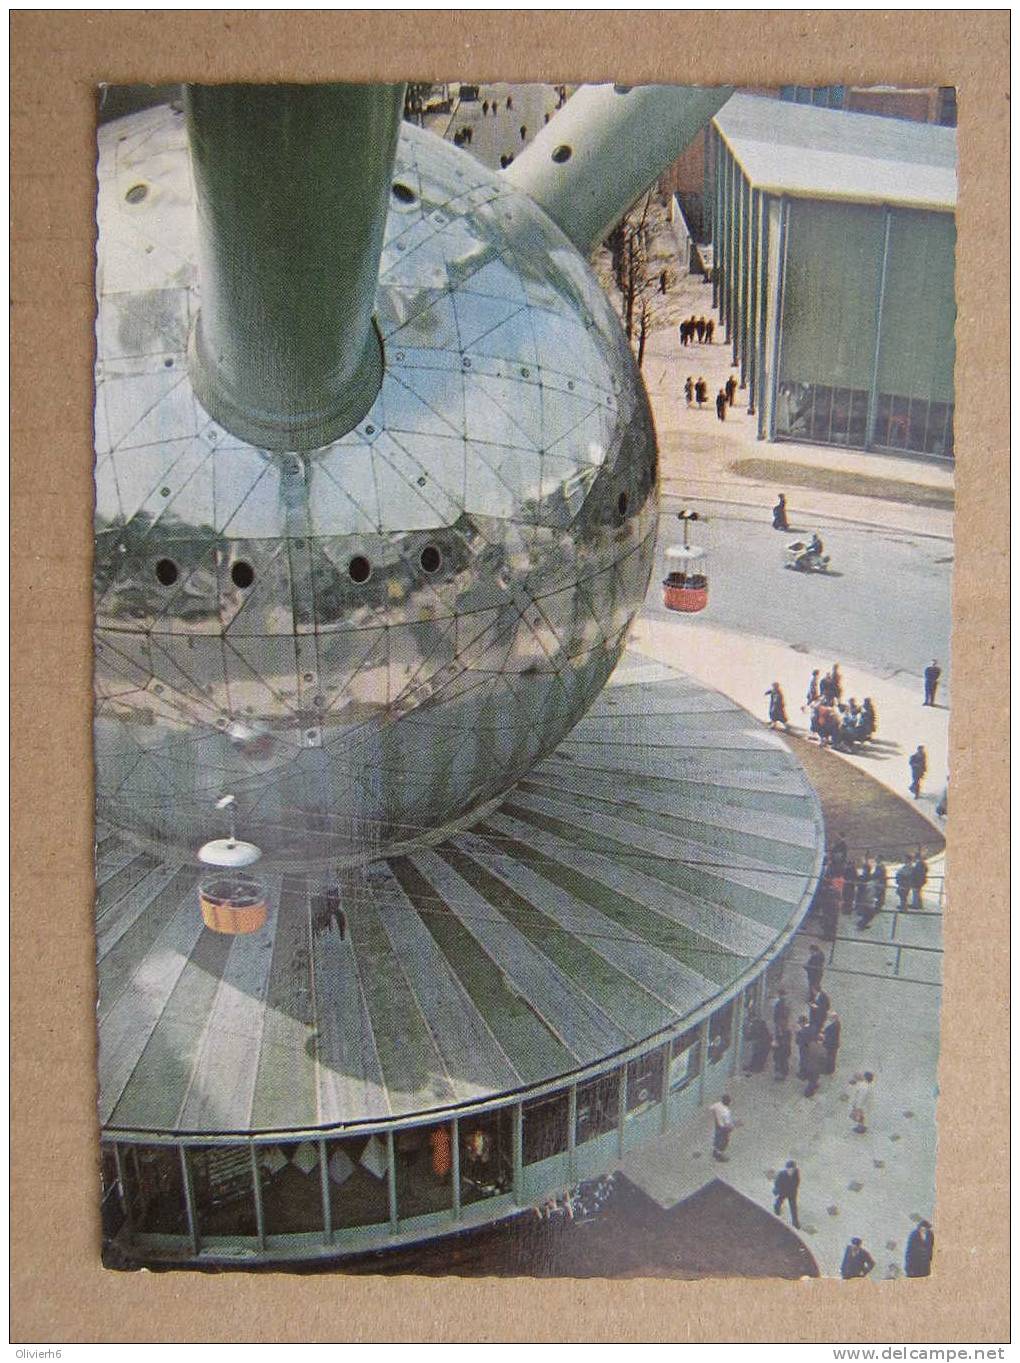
(862, 1092)
(724, 1124)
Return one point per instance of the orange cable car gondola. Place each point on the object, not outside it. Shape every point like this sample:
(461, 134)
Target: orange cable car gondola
(685, 586)
(231, 899)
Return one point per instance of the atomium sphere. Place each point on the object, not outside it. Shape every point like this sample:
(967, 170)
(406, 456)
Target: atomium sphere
(370, 642)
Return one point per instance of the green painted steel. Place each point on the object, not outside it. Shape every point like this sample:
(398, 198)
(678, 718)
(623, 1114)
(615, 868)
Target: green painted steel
(292, 185)
(918, 350)
(833, 259)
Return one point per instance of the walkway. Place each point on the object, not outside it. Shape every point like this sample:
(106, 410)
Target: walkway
(886, 991)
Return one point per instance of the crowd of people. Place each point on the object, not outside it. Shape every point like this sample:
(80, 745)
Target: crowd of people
(697, 330)
(834, 723)
(848, 888)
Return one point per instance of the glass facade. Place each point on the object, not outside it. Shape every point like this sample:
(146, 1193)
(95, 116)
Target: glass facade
(310, 1198)
(842, 316)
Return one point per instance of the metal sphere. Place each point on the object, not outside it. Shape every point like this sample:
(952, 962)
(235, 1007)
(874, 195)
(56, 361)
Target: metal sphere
(370, 642)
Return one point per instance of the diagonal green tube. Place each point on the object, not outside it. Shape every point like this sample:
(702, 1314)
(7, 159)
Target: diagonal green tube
(604, 148)
(292, 189)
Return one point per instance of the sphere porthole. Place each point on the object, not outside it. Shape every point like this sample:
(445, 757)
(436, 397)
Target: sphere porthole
(242, 575)
(166, 572)
(430, 559)
(359, 569)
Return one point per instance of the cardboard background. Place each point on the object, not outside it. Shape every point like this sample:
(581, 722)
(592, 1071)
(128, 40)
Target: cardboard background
(59, 1291)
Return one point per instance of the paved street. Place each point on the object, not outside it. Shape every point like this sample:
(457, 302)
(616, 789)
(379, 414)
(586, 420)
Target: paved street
(885, 604)
(496, 135)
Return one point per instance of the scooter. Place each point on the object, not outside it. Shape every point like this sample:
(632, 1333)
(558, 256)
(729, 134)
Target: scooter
(801, 557)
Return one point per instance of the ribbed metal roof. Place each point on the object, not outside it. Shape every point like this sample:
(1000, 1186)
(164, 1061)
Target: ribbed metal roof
(796, 149)
(659, 855)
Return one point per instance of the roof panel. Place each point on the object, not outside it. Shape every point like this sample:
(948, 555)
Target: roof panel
(808, 152)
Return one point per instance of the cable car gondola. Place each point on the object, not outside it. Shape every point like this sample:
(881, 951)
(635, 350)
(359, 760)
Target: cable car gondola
(685, 586)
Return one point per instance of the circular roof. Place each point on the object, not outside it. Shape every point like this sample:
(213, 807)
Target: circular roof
(659, 857)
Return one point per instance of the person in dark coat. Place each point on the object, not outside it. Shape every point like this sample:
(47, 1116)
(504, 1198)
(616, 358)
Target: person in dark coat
(880, 876)
(780, 1011)
(689, 390)
(709, 330)
(804, 1038)
(827, 690)
(720, 404)
(849, 886)
(857, 1262)
(485, 106)
(701, 392)
(918, 762)
(818, 1010)
(781, 1052)
(759, 1039)
(840, 852)
(814, 968)
(920, 1247)
(663, 281)
(785, 1189)
(931, 680)
(869, 720)
(731, 389)
(918, 880)
(777, 706)
(524, 132)
(779, 522)
(699, 327)
(831, 1033)
(837, 681)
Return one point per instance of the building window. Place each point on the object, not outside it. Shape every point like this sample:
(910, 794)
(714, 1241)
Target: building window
(720, 1033)
(684, 1059)
(644, 1083)
(545, 1130)
(424, 1158)
(486, 1155)
(598, 1107)
(221, 1185)
(154, 1189)
(357, 1172)
(291, 1183)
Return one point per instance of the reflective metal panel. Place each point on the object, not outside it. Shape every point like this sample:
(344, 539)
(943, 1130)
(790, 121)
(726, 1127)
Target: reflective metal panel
(368, 641)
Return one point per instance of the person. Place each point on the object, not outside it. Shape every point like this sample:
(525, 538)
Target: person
(831, 1033)
(849, 886)
(663, 281)
(779, 521)
(827, 690)
(918, 763)
(803, 1039)
(509, 103)
(442, 1157)
(840, 852)
(835, 674)
(880, 877)
(722, 1116)
(334, 913)
(784, 1189)
(861, 1094)
(699, 327)
(814, 1064)
(863, 880)
(720, 404)
(731, 389)
(867, 900)
(811, 556)
(903, 878)
(812, 689)
(920, 1247)
(869, 720)
(685, 333)
(485, 106)
(818, 1010)
(709, 328)
(780, 1011)
(701, 392)
(931, 680)
(689, 390)
(857, 1262)
(814, 967)
(781, 1052)
(759, 1039)
(918, 880)
(777, 707)
(524, 132)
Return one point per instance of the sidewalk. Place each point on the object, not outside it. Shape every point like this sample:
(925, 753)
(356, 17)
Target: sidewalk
(875, 1185)
(704, 458)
